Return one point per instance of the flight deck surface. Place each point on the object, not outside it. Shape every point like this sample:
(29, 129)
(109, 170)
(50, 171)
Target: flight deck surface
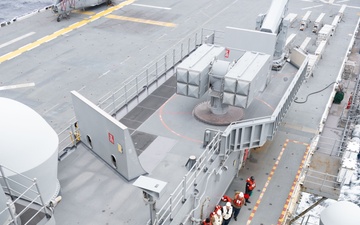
(97, 57)
(95, 54)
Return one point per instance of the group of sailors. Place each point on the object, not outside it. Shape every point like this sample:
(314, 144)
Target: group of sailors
(222, 214)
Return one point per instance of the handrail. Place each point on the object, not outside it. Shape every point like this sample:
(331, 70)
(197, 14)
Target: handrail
(131, 88)
(139, 83)
(308, 221)
(321, 178)
(32, 202)
(322, 124)
(169, 209)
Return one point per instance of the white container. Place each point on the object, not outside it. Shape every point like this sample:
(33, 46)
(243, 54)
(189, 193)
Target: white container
(340, 213)
(29, 147)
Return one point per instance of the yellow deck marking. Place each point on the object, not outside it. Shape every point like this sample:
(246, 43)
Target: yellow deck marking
(301, 128)
(65, 30)
(138, 20)
(302, 164)
(89, 13)
(252, 214)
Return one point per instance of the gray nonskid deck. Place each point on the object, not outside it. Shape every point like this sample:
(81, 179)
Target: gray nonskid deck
(174, 156)
(92, 192)
(299, 127)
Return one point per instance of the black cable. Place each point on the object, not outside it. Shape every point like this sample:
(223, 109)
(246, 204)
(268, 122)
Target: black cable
(313, 93)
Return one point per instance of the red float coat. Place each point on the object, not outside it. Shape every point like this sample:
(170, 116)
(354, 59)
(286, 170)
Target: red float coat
(226, 198)
(250, 184)
(238, 201)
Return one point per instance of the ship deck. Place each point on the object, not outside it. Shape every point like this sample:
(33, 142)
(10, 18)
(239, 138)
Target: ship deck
(100, 55)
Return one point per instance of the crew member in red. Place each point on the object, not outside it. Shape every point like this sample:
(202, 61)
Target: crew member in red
(238, 202)
(212, 214)
(217, 219)
(226, 198)
(250, 186)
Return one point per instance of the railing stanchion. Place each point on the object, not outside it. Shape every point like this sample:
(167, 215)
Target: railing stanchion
(6, 183)
(184, 190)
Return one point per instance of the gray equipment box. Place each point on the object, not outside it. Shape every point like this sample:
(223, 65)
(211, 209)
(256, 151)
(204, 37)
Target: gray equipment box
(246, 79)
(192, 74)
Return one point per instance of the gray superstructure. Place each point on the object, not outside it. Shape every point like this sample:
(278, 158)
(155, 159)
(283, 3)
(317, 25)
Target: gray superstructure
(123, 58)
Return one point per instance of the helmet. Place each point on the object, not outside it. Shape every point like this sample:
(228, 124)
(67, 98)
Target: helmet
(217, 207)
(228, 204)
(252, 178)
(241, 195)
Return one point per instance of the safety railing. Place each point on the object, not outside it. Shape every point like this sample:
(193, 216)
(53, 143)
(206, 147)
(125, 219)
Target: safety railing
(135, 85)
(352, 115)
(29, 197)
(350, 119)
(195, 175)
(113, 101)
(24, 16)
(291, 206)
(322, 181)
(318, 179)
(330, 146)
(68, 138)
(307, 220)
(344, 117)
(266, 126)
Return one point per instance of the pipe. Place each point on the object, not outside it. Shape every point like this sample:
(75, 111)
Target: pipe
(207, 181)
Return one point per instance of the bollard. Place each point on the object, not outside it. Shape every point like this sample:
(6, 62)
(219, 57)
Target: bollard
(191, 162)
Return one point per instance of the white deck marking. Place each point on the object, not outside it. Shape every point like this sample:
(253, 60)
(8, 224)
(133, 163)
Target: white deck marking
(152, 6)
(143, 49)
(15, 86)
(63, 31)
(104, 74)
(72, 120)
(311, 7)
(163, 35)
(125, 60)
(349, 6)
(187, 19)
(82, 88)
(51, 108)
(16, 39)
(354, 7)
(342, 1)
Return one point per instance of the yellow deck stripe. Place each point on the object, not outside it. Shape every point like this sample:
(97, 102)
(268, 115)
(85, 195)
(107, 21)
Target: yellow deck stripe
(132, 19)
(252, 214)
(89, 13)
(138, 20)
(65, 30)
(302, 164)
